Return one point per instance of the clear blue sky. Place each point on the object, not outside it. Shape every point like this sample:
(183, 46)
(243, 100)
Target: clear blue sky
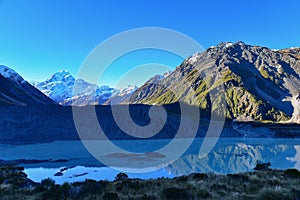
(40, 37)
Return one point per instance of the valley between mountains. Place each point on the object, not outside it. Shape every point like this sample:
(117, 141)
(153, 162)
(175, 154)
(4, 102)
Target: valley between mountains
(256, 90)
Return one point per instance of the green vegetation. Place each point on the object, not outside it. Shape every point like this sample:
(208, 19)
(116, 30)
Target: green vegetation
(262, 166)
(223, 96)
(266, 184)
(121, 176)
(292, 172)
(264, 73)
(175, 193)
(273, 194)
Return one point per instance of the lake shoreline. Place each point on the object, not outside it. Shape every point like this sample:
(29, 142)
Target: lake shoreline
(265, 184)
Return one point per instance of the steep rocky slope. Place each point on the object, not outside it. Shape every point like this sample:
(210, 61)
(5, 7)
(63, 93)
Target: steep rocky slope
(258, 83)
(14, 90)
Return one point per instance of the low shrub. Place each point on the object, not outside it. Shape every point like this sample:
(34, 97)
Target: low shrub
(110, 196)
(121, 176)
(262, 166)
(199, 176)
(175, 193)
(203, 194)
(181, 179)
(239, 177)
(48, 183)
(292, 172)
(272, 195)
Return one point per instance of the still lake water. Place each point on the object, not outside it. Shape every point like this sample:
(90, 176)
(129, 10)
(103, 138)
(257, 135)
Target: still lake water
(229, 155)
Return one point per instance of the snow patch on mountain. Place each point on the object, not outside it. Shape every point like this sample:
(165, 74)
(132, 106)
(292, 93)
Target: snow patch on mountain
(121, 95)
(11, 74)
(194, 58)
(127, 90)
(91, 95)
(229, 44)
(293, 85)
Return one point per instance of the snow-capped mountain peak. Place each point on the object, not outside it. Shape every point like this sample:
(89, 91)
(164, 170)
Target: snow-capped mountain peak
(64, 89)
(62, 75)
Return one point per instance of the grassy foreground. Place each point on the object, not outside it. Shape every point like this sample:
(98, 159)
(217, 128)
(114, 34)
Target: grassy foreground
(265, 184)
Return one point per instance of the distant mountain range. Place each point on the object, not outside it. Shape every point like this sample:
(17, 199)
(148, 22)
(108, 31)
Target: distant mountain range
(64, 89)
(259, 84)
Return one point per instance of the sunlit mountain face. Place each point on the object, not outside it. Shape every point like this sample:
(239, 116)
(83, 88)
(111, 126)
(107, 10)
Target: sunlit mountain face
(258, 83)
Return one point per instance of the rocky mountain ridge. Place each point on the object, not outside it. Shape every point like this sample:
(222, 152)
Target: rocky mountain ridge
(14, 90)
(259, 83)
